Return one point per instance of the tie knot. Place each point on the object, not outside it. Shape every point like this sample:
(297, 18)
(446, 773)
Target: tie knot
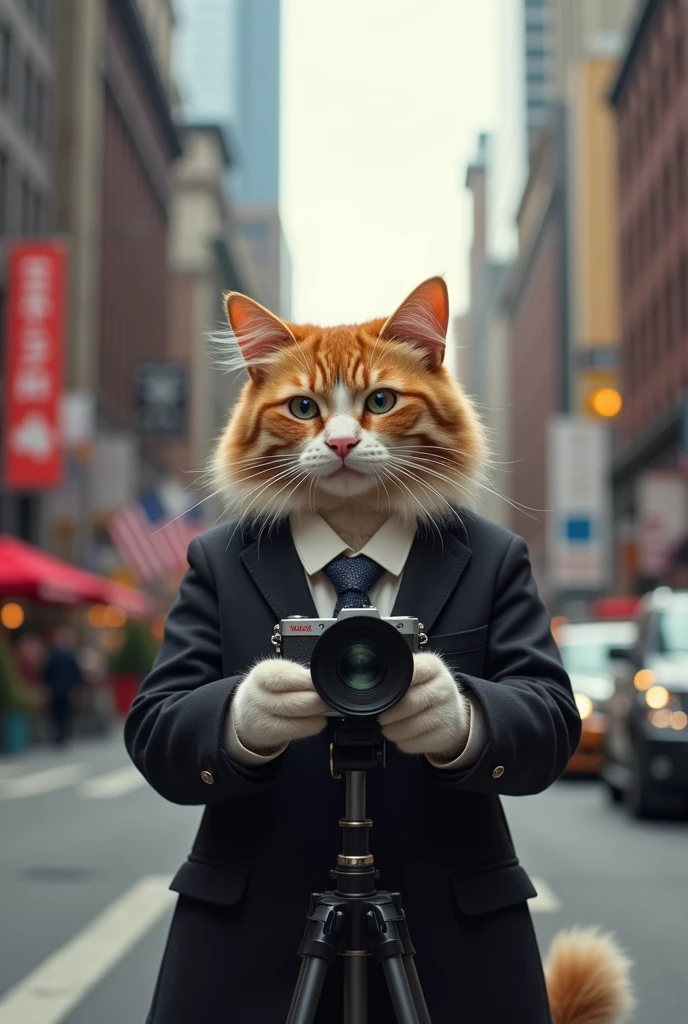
(353, 578)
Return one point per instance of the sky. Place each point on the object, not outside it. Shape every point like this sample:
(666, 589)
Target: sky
(382, 104)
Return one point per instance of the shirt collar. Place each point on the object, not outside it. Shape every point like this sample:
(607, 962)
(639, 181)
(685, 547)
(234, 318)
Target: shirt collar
(317, 543)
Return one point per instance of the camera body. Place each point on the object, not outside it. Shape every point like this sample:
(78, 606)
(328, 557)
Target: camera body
(297, 635)
(361, 663)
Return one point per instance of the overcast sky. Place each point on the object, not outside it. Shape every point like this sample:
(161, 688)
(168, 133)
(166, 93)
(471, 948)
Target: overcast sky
(383, 101)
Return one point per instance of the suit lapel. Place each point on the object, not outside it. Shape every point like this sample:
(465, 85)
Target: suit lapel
(432, 570)
(276, 570)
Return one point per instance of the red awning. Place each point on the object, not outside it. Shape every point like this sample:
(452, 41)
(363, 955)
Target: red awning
(27, 571)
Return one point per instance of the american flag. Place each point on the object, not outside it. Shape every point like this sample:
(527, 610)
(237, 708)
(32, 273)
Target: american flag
(149, 541)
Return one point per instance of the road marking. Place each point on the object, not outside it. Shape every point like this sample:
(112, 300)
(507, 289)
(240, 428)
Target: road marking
(55, 987)
(43, 781)
(546, 902)
(113, 784)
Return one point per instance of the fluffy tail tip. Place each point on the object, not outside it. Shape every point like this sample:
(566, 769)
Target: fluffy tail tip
(588, 978)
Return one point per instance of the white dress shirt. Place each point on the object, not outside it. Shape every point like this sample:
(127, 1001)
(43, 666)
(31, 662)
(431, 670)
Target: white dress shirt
(317, 544)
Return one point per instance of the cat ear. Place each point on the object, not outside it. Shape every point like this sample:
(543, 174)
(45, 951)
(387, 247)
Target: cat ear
(258, 332)
(422, 320)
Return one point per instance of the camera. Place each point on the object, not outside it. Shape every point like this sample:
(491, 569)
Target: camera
(361, 663)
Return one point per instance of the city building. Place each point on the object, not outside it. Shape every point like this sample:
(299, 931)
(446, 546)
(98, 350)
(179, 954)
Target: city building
(207, 258)
(557, 35)
(228, 58)
(650, 104)
(482, 354)
(26, 135)
(557, 310)
(115, 143)
(535, 302)
(537, 65)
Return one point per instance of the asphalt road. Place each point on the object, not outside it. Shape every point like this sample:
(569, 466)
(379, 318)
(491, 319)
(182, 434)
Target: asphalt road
(87, 851)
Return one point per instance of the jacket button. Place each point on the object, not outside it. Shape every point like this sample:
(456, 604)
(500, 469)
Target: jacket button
(208, 778)
(498, 772)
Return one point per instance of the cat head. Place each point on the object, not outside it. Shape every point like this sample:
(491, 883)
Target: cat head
(367, 413)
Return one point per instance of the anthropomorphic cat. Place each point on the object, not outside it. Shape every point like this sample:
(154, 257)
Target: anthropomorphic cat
(351, 464)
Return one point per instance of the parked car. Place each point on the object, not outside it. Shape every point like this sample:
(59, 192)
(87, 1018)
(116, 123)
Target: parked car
(647, 737)
(585, 648)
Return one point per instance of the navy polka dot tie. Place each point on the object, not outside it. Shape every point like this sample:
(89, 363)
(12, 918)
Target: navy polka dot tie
(353, 578)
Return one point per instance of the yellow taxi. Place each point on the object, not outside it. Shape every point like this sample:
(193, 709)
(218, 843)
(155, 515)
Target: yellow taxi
(585, 649)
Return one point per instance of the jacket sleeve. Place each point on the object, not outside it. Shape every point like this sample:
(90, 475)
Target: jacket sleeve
(533, 724)
(174, 730)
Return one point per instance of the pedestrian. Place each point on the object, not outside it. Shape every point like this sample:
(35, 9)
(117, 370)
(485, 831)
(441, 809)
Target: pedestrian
(351, 460)
(62, 676)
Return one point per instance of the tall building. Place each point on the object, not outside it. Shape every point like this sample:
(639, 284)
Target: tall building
(650, 104)
(483, 356)
(557, 34)
(229, 73)
(535, 302)
(26, 135)
(205, 261)
(115, 144)
(258, 101)
(537, 65)
(561, 297)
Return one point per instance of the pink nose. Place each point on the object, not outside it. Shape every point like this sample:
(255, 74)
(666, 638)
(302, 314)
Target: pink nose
(342, 445)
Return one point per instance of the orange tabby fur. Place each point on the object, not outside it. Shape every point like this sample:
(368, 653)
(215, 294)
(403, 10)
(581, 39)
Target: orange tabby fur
(427, 456)
(435, 438)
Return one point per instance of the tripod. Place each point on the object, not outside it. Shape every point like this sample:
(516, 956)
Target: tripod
(355, 920)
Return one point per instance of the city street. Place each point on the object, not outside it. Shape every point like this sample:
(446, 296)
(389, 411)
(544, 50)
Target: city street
(88, 850)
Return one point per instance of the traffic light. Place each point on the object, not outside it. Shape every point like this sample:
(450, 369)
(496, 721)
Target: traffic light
(605, 402)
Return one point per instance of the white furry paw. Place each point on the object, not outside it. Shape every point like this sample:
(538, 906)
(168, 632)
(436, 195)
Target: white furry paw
(433, 717)
(275, 704)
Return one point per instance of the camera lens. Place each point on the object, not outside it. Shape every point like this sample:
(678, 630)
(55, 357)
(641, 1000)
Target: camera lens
(361, 667)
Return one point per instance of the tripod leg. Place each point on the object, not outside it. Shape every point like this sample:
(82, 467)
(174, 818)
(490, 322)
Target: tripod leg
(309, 986)
(297, 988)
(400, 990)
(416, 990)
(355, 990)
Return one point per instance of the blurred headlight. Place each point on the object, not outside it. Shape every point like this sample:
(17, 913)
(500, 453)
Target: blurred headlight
(666, 719)
(657, 697)
(584, 704)
(643, 679)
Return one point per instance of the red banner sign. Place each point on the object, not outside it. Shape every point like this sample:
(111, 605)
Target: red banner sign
(33, 367)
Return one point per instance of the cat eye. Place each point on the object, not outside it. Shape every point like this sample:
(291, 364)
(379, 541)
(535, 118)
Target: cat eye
(303, 408)
(381, 401)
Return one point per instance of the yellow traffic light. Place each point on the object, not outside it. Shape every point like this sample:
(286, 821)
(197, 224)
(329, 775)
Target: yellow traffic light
(606, 402)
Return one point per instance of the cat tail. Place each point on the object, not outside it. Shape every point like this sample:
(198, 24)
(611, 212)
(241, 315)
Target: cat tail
(588, 978)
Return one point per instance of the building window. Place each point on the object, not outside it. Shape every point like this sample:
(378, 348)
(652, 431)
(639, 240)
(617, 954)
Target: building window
(681, 182)
(667, 198)
(664, 85)
(5, 63)
(669, 319)
(27, 97)
(25, 207)
(679, 53)
(40, 110)
(4, 183)
(655, 226)
(650, 114)
(37, 211)
(683, 292)
(657, 333)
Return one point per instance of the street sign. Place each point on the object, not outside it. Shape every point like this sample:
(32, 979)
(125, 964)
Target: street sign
(578, 504)
(161, 399)
(33, 369)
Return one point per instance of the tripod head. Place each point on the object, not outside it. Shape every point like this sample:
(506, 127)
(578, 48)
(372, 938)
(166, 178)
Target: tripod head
(357, 745)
